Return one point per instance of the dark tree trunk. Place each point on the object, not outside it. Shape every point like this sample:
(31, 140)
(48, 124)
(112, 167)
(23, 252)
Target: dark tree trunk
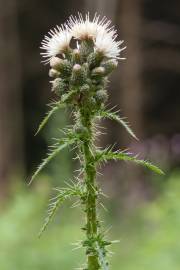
(10, 95)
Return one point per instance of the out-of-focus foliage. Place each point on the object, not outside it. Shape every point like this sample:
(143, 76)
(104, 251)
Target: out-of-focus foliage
(20, 246)
(149, 237)
(152, 239)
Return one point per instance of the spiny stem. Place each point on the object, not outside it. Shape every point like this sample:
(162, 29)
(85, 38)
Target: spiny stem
(91, 187)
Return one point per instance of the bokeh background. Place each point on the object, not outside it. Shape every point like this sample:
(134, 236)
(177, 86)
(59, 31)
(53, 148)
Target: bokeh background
(143, 210)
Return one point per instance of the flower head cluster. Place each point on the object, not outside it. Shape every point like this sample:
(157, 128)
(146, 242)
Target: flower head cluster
(99, 30)
(82, 72)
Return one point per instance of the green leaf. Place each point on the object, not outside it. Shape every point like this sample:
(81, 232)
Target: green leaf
(114, 116)
(54, 107)
(105, 155)
(52, 154)
(53, 207)
(55, 203)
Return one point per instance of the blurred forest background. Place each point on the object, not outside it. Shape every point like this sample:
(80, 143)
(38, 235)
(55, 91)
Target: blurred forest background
(144, 209)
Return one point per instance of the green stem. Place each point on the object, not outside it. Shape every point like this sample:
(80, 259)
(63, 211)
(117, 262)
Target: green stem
(91, 200)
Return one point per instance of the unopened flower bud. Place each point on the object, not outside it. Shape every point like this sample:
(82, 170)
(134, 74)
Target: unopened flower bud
(94, 59)
(86, 48)
(110, 65)
(62, 66)
(78, 74)
(92, 102)
(84, 88)
(53, 73)
(98, 72)
(55, 62)
(59, 86)
(101, 96)
(76, 68)
(76, 56)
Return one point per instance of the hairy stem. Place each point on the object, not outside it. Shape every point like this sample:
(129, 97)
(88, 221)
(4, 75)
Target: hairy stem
(91, 187)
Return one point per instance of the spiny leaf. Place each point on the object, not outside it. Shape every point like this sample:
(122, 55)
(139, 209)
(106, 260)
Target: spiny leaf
(114, 116)
(53, 207)
(63, 194)
(52, 154)
(104, 155)
(54, 107)
(101, 257)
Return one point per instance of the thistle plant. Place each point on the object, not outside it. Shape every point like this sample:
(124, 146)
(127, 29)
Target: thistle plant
(80, 72)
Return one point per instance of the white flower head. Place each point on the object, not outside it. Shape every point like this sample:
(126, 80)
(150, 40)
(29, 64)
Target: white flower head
(56, 43)
(100, 31)
(83, 29)
(107, 45)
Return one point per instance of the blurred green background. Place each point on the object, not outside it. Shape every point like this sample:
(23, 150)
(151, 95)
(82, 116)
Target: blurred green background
(143, 210)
